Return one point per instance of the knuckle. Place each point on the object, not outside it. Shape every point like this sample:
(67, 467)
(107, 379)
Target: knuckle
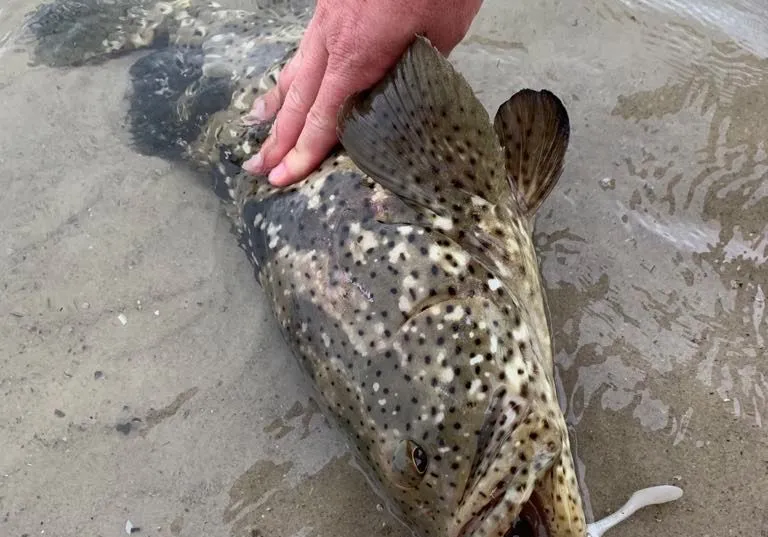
(345, 43)
(318, 120)
(294, 100)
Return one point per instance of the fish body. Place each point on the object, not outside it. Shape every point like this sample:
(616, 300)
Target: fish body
(411, 294)
(402, 271)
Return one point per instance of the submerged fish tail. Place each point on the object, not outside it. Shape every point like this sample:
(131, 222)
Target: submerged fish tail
(76, 32)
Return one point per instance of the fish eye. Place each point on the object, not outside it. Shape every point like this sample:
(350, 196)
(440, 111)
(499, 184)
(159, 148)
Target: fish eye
(419, 458)
(409, 462)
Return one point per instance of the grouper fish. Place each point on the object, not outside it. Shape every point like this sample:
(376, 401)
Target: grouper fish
(402, 271)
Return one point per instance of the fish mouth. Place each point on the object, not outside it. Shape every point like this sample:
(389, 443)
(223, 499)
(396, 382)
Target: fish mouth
(530, 522)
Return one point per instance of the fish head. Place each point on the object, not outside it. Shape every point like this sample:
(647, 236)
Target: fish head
(513, 476)
(525, 490)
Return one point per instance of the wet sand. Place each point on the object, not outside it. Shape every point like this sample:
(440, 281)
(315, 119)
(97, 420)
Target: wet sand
(191, 418)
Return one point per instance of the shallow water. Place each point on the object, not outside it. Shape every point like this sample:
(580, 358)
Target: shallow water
(192, 417)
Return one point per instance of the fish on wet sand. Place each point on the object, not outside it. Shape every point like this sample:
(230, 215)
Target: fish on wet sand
(402, 271)
(411, 295)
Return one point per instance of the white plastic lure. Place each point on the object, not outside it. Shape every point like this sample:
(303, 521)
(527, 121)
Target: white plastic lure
(641, 498)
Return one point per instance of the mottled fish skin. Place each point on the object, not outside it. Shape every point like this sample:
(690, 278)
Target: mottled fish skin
(402, 271)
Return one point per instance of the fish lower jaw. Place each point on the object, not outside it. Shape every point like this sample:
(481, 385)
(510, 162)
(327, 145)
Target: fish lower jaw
(528, 522)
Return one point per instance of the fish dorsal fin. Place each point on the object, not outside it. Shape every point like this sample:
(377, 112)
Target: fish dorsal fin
(534, 129)
(422, 134)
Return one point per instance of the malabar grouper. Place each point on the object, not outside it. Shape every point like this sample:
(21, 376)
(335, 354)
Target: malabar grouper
(402, 271)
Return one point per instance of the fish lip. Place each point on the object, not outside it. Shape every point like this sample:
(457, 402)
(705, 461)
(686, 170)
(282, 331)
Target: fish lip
(476, 521)
(531, 512)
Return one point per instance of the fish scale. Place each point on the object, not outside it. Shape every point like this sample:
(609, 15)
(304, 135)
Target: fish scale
(402, 271)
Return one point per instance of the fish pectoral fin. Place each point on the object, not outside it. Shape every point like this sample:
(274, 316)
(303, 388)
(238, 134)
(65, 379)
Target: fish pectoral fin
(559, 497)
(534, 129)
(423, 134)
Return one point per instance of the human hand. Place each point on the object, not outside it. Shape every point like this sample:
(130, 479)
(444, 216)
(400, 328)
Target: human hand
(348, 47)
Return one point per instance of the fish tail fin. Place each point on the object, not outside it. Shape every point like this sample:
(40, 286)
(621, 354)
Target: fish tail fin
(69, 33)
(171, 101)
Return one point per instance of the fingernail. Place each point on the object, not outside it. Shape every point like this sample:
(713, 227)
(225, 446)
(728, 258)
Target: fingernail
(258, 111)
(254, 164)
(249, 120)
(278, 175)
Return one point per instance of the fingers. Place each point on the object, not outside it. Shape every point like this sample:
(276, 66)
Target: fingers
(291, 100)
(318, 135)
(348, 46)
(344, 76)
(445, 33)
(265, 107)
